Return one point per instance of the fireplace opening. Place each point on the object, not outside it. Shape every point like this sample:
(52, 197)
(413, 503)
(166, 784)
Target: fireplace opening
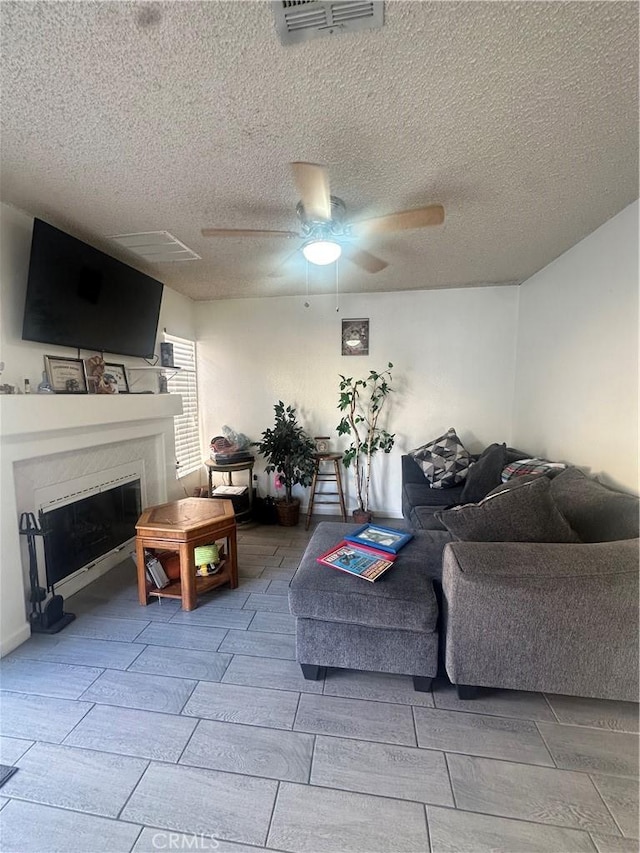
(79, 533)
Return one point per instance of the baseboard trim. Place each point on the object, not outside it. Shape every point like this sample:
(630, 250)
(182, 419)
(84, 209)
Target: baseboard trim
(377, 513)
(19, 637)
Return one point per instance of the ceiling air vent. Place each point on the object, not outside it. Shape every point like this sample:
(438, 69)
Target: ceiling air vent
(301, 20)
(159, 247)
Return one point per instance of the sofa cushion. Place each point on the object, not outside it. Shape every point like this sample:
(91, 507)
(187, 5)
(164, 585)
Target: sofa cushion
(426, 496)
(411, 471)
(524, 514)
(514, 483)
(484, 474)
(444, 461)
(532, 466)
(423, 518)
(403, 597)
(596, 512)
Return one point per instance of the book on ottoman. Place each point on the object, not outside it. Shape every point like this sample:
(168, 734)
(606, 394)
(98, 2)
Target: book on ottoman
(357, 560)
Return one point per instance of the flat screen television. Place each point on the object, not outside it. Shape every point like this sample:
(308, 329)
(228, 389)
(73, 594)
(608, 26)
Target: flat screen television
(80, 297)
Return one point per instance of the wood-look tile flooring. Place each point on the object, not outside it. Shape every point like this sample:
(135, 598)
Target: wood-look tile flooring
(144, 729)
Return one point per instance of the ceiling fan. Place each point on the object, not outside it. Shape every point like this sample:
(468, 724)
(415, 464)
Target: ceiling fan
(323, 228)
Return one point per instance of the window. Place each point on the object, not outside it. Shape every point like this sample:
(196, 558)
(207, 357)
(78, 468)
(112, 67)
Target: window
(184, 382)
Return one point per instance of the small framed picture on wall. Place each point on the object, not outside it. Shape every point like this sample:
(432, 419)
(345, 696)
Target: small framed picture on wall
(355, 337)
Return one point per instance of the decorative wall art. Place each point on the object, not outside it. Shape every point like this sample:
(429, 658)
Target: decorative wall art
(355, 337)
(322, 443)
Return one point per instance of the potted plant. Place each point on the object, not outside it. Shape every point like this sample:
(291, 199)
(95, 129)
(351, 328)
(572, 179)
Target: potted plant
(289, 452)
(362, 400)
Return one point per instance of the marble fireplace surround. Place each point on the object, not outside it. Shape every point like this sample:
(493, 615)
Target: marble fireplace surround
(49, 440)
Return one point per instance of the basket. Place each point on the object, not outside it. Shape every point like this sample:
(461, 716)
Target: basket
(288, 513)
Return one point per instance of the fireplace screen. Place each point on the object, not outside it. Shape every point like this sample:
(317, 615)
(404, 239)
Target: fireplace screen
(78, 533)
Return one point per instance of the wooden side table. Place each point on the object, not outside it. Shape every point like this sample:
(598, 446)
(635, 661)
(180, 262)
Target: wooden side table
(212, 466)
(180, 526)
(319, 477)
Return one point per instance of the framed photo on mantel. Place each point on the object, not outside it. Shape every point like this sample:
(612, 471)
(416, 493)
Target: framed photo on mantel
(119, 373)
(66, 375)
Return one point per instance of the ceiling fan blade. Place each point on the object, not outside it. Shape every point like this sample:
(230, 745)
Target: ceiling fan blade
(312, 182)
(421, 217)
(244, 232)
(364, 260)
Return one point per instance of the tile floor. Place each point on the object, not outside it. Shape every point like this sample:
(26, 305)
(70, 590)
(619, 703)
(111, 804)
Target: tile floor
(144, 729)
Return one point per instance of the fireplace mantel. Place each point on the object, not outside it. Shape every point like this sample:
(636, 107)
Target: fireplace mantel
(29, 414)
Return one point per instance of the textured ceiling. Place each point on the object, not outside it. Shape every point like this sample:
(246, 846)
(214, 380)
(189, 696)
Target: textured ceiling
(520, 118)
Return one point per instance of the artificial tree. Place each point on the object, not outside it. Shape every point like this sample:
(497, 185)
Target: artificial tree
(289, 452)
(362, 400)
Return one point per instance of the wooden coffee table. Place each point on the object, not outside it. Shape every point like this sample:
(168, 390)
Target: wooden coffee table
(180, 526)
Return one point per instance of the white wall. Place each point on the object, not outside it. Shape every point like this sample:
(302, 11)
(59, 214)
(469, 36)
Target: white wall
(453, 353)
(576, 396)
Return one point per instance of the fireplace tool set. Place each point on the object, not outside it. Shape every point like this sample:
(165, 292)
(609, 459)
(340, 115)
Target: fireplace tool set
(51, 618)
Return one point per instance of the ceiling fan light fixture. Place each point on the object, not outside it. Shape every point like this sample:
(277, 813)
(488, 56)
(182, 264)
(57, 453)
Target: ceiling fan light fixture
(322, 252)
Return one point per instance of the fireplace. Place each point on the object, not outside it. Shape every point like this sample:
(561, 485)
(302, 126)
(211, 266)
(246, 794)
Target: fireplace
(55, 447)
(80, 532)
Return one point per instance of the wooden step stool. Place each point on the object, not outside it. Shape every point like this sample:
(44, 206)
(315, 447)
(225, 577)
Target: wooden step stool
(320, 477)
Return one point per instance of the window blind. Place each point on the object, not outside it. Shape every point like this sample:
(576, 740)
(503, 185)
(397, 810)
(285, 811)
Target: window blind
(184, 382)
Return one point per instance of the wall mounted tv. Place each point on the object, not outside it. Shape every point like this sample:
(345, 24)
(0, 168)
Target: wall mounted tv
(79, 297)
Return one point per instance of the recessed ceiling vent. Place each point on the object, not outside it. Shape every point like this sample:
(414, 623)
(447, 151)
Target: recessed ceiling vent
(158, 247)
(301, 20)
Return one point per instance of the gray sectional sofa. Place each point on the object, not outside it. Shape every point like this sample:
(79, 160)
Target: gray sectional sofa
(558, 616)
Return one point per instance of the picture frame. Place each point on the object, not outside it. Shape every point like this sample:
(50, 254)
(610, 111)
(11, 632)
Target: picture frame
(355, 336)
(94, 371)
(119, 372)
(382, 538)
(66, 375)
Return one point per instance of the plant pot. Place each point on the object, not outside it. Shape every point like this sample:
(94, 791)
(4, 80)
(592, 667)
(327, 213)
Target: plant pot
(362, 517)
(288, 513)
(264, 510)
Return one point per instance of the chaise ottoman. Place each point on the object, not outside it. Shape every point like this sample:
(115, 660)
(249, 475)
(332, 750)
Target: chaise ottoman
(345, 621)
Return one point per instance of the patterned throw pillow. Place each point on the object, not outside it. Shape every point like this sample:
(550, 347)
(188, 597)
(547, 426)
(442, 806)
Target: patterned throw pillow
(532, 466)
(444, 461)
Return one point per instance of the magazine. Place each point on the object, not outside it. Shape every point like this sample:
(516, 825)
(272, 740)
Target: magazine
(226, 491)
(357, 560)
(382, 538)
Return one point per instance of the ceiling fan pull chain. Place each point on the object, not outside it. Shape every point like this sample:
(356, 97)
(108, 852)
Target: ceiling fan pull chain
(337, 286)
(306, 304)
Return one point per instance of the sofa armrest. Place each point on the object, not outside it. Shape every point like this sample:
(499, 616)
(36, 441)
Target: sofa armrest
(543, 559)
